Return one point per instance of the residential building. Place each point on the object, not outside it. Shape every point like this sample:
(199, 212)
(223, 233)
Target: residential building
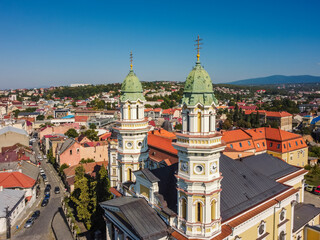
(11, 135)
(287, 146)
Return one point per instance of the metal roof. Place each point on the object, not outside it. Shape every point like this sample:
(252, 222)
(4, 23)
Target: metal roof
(143, 220)
(148, 174)
(303, 213)
(269, 165)
(9, 197)
(64, 146)
(243, 187)
(13, 129)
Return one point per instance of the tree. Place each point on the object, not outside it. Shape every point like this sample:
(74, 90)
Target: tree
(226, 124)
(71, 133)
(80, 196)
(103, 185)
(88, 160)
(50, 117)
(40, 117)
(92, 134)
(93, 126)
(63, 167)
(178, 126)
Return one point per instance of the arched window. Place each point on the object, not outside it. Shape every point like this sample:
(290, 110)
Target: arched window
(137, 111)
(282, 236)
(183, 208)
(188, 122)
(199, 121)
(210, 121)
(199, 212)
(129, 175)
(213, 210)
(129, 112)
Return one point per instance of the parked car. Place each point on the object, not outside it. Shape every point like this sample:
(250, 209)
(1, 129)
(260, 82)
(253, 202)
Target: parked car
(35, 215)
(29, 223)
(45, 202)
(46, 190)
(56, 190)
(48, 186)
(317, 190)
(47, 196)
(45, 156)
(309, 188)
(42, 171)
(44, 176)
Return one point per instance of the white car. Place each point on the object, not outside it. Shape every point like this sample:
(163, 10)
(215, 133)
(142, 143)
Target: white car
(45, 156)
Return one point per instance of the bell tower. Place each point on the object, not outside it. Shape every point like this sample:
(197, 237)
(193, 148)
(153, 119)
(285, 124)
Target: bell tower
(199, 147)
(132, 130)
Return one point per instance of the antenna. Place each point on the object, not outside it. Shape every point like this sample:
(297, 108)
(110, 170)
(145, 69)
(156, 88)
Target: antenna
(131, 60)
(198, 47)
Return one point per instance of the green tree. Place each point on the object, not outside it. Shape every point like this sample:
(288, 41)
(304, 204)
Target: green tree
(178, 126)
(92, 134)
(50, 117)
(40, 117)
(93, 126)
(103, 185)
(80, 196)
(63, 167)
(88, 160)
(71, 133)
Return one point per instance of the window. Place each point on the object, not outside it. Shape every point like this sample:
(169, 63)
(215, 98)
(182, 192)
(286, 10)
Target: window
(258, 145)
(199, 212)
(284, 146)
(240, 144)
(70, 152)
(296, 143)
(271, 144)
(213, 210)
(278, 146)
(184, 208)
(261, 228)
(289, 144)
(137, 112)
(282, 215)
(263, 144)
(282, 236)
(78, 150)
(301, 141)
(231, 145)
(249, 143)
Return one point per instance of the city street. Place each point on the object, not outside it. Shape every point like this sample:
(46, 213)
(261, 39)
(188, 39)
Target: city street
(41, 228)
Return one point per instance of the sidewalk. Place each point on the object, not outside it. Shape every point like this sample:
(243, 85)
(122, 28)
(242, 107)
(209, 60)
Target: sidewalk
(60, 227)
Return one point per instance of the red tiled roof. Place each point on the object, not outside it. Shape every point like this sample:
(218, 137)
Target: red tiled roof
(162, 139)
(16, 179)
(115, 192)
(81, 118)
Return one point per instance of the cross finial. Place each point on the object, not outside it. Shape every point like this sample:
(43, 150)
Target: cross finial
(198, 47)
(131, 60)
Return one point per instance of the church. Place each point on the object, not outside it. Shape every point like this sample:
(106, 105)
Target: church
(206, 194)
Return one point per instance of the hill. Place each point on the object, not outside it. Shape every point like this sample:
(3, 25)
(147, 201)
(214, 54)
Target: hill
(278, 79)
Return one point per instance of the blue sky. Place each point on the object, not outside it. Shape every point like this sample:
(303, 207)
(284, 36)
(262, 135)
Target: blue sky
(44, 43)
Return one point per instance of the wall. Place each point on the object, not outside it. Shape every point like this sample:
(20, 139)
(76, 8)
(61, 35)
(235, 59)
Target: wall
(10, 138)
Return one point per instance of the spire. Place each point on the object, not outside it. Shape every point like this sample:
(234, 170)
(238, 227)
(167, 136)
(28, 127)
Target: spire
(131, 60)
(198, 48)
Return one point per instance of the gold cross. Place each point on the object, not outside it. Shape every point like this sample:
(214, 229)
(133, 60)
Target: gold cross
(198, 47)
(131, 60)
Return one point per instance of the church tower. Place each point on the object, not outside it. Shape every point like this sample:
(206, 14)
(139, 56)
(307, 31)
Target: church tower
(199, 147)
(132, 130)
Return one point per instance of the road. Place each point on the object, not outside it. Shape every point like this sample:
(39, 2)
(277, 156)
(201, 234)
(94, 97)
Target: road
(41, 228)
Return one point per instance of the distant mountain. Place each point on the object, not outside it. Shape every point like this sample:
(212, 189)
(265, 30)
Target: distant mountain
(278, 79)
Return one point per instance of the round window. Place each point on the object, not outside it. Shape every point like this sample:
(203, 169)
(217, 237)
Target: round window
(261, 228)
(198, 169)
(129, 144)
(139, 144)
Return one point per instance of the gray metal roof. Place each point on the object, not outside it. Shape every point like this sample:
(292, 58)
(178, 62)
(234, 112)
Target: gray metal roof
(243, 187)
(143, 220)
(303, 213)
(269, 165)
(13, 129)
(27, 168)
(64, 146)
(9, 197)
(148, 174)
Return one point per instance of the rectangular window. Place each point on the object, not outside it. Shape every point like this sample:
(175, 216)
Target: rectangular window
(278, 146)
(258, 145)
(70, 152)
(263, 144)
(231, 145)
(240, 144)
(296, 143)
(301, 141)
(284, 146)
(289, 144)
(249, 143)
(271, 144)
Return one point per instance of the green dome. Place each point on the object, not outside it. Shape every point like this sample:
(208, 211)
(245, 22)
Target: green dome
(198, 87)
(131, 88)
